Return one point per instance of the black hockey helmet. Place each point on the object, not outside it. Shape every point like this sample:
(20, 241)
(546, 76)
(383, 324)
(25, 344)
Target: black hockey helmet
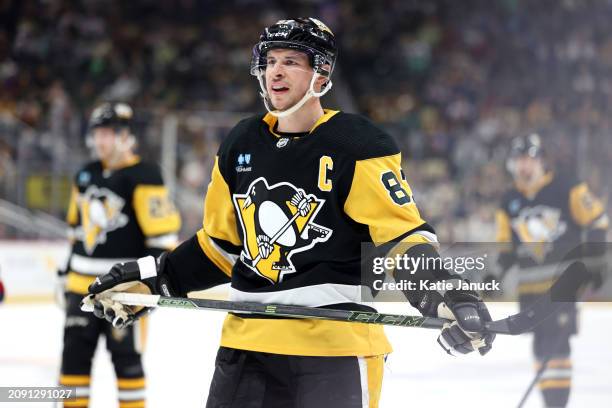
(528, 145)
(109, 114)
(307, 35)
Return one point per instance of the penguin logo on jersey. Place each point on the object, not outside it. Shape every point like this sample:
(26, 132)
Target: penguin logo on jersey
(539, 227)
(277, 221)
(101, 213)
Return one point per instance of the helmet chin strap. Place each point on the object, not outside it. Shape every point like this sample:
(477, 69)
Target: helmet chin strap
(309, 94)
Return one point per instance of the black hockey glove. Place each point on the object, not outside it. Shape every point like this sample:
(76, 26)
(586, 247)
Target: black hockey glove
(468, 313)
(144, 275)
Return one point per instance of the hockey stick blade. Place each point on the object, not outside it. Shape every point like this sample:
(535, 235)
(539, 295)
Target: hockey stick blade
(565, 289)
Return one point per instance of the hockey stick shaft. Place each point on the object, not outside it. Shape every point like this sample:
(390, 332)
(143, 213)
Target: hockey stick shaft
(279, 310)
(572, 278)
(552, 352)
(543, 365)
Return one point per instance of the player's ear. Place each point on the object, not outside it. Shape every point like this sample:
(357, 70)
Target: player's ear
(321, 80)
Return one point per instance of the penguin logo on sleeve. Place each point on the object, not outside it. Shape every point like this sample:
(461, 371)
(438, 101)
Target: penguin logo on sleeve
(277, 221)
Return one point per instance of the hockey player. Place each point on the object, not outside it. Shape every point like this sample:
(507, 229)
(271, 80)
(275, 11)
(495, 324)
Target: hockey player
(293, 194)
(119, 211)
(543, 217)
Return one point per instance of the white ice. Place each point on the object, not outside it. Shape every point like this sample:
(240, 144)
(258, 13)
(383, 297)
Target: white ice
(182, 346)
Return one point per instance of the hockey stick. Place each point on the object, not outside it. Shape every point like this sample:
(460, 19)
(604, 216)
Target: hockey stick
(572, 277)
(552, 352)
(541, 369)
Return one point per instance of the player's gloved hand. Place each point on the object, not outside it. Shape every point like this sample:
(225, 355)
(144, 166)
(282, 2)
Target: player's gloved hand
(1, 291)
(144, 275)
(468, 313)
(467, 331)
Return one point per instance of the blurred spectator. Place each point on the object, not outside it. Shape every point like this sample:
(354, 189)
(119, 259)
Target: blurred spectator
(452, 81)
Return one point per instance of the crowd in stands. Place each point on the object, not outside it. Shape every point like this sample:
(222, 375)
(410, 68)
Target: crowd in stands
(452, 81)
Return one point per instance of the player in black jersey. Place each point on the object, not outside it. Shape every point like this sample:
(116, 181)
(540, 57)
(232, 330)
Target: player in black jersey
(544, 218)
(293, 194)
(119, 211)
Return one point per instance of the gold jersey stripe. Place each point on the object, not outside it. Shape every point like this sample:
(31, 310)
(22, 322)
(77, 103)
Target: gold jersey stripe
(72, 216)
(305, 337)
(547, 384)
(132, 404)
(211, 252)
(556, 363)
(405, 244)
(154, 210)
(131, 383)
(74, 380)
(585, 208)
(220, 220)
(502, 225)
(327, 115)
(77, 403)
(271, 121)
(535, 287)
(78, 283)
(375, 366)
(371, 204)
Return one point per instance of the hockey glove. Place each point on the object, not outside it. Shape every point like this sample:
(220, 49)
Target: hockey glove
(468, 313)
(144, 275)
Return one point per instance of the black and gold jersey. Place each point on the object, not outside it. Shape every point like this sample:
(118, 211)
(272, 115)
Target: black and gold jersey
(285, 216)
(545, 224)
(116, 216)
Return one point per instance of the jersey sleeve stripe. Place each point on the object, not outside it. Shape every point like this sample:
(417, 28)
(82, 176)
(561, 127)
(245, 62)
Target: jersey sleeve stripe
(167, 241)
(93, 266)
(219, 217)
(212, 251)
(72, 216)
(311, 296)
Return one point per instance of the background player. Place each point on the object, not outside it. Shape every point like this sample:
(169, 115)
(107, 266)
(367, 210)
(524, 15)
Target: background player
(292, 196)
(119, 211)
(545, 216)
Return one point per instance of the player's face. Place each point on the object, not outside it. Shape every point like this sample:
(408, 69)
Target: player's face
(528, 169)
(104, 140)
(288, 76)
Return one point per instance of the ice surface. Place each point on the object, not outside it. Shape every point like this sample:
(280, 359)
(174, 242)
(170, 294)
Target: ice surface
(182, 346)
